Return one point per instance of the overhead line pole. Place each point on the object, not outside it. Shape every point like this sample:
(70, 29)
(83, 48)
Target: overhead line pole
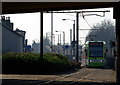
(41, 34)
(77, 25)
(77, 36)
(51, 31)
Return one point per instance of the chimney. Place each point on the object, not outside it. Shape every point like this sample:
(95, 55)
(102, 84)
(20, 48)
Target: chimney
(7, 23)
(8, 18)
(11, 26)
(3, 17)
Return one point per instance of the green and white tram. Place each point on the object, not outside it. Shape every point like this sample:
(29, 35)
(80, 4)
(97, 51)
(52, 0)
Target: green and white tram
(93, 53)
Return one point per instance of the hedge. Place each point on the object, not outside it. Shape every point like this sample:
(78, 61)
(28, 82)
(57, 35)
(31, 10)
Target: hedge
(32, 63)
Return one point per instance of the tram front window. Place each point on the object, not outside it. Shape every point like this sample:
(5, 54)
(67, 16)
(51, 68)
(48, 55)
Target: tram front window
(96, 51)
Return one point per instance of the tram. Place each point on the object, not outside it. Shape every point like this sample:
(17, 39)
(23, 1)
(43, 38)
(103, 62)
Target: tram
(93, 54)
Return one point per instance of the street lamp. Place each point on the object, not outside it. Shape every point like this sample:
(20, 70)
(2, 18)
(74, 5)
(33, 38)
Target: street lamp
(73, 42)
(73, 27)
(63, 36)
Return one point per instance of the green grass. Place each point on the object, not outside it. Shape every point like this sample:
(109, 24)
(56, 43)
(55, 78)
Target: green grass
(32, 63)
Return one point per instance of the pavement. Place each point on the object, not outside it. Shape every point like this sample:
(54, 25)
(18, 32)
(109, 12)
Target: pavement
(97, 75)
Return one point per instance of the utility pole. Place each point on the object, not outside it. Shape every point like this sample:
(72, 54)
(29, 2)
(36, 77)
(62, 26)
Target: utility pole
(70, 36)
(64, 37)
(72, 42)
(60, 39)
(74, 31)
(77, 36)
(51, 30)
(41, 34)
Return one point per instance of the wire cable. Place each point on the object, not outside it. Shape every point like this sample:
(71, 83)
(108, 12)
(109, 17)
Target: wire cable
(87, 22)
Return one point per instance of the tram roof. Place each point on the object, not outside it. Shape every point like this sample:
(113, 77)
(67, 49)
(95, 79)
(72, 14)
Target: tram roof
(95, 41)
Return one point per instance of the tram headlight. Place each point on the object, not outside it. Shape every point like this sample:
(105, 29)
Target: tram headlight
(101, 60)
(90, 60)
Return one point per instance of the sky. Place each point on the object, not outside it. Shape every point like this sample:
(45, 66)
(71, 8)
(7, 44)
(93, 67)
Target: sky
(30, 22)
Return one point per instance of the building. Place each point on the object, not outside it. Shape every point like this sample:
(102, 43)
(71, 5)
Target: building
(36, 46)
(12, 40)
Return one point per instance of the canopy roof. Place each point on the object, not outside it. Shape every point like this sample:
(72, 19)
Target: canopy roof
(28, 7)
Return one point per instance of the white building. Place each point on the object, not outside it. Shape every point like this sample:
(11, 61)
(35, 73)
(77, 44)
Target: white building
(12, 41)
(36, 46)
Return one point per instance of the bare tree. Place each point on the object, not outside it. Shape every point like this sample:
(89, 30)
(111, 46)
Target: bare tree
(104, 31)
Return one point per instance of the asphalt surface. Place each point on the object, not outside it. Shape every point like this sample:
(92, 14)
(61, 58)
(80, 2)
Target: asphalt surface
(83, 76)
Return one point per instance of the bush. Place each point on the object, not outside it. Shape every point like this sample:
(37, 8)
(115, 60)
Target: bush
(32, 63)
(20, 62)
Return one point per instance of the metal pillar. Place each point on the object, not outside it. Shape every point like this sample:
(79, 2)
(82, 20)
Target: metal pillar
(74, 31)
(77, 36)
(64, 38)
(118, 48)
(64, 41)
(54, 39)
(71, 41)
(117, 17)
(41, 34)
(74, 38)
(51, 29)
(60, 39)
(70, 36)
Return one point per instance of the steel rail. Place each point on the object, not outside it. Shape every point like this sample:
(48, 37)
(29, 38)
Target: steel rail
(69, 75)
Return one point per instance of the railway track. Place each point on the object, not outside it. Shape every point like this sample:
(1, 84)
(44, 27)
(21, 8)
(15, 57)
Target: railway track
(75, 78)
(81, 77)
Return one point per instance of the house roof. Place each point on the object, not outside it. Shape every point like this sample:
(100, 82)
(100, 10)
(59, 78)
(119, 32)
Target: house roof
(11, 30)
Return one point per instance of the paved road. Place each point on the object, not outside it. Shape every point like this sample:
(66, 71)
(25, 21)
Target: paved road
(84, 75)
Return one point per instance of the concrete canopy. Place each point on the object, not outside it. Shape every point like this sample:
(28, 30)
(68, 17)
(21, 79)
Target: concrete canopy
(28, 7)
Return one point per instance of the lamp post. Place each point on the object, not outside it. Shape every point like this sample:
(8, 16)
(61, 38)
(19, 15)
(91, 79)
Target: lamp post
(77, 36)
(63, 36)
(73, 42)
(73, 27)
(51, 29)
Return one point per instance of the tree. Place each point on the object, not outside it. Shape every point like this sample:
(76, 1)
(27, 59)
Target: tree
(104, 31)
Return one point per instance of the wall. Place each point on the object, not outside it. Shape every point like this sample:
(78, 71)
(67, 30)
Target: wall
(11, 42)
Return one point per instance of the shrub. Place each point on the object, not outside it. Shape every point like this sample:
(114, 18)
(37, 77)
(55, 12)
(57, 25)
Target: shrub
(32, 63)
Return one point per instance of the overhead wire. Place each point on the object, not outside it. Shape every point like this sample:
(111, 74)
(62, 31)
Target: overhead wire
(86, 21)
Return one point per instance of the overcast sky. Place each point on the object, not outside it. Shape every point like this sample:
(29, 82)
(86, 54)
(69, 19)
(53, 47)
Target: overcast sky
(30, 22)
